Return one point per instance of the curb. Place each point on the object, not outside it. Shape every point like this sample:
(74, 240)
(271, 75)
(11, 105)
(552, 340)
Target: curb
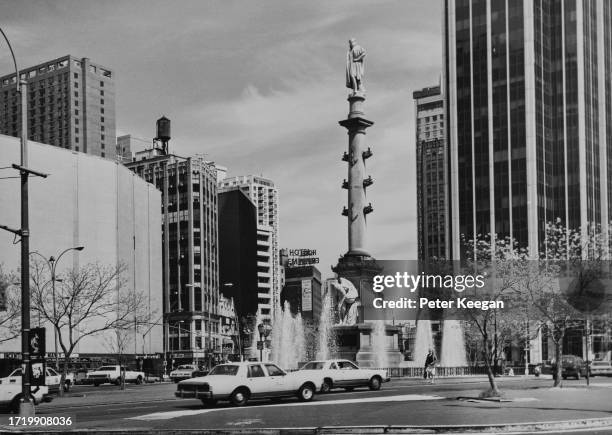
(593, 423)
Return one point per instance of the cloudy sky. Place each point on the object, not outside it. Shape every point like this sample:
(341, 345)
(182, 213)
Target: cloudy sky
(258, 86)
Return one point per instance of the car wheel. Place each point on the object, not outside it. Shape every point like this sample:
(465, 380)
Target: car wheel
(239, 397)
(375, 383)
(96, 384)
(209, 402)
(349, 388)
(306, 392)
(327, 386)
(139, 380)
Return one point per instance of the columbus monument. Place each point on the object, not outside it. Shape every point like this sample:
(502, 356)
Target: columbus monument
(356, 268)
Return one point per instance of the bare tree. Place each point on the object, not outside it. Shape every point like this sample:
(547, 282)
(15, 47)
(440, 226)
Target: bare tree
(10, 306)
(117, 344)
(90, 300)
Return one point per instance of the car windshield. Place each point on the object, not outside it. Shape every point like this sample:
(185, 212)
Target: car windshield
(106, 369)
(227, 370)
(314, 365)
(601, 363)
(185, 368)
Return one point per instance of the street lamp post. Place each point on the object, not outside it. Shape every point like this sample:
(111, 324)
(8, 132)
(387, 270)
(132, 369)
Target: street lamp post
(264, 331)
(26, 406)
(52, 265)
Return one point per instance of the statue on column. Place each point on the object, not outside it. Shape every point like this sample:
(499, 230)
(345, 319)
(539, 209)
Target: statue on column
(348, 301)
(355, 66)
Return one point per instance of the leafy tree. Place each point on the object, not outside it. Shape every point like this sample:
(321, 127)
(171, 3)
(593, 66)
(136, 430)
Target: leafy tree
(500, 261)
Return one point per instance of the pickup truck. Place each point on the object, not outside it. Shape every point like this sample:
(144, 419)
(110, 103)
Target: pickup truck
(112, 375)
(10, 394)
(52, 379)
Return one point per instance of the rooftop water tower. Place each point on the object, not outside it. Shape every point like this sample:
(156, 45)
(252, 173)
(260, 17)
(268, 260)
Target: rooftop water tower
(163, 134)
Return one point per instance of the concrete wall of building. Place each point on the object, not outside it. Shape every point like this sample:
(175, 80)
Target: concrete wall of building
(92, 202)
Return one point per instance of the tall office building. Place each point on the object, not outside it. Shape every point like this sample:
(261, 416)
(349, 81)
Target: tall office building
(238, 251)
(190, 252)
(264, 195)
(529, 110)
(431, 170)
(71, 104)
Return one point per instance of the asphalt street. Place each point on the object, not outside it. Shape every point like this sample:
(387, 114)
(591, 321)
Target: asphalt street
(400, 402)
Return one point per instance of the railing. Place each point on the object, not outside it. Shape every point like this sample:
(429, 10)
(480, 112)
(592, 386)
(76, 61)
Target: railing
(417, 372)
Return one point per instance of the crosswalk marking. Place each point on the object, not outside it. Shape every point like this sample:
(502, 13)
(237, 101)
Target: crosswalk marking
(183, 413)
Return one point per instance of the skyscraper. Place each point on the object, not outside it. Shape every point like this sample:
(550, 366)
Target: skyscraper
(264, 195)
(190, 252)
(529, 110)
(431, 169)
(71, 104)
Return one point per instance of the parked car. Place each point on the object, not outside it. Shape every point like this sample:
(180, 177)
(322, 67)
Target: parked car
(341, 373)
(600, 368)
(80, 376)
(571, 365)
(186, 371)
(112, 375)
(52, 379)
(10, 395)
(242, 381)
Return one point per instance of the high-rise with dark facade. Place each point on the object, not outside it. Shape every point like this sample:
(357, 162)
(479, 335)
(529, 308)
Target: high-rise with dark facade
(432, 173)
(530, 116)
(71, 104)
(264, 195)
(238, 250)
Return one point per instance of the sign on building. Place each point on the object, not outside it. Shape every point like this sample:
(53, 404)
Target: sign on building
(306, 295)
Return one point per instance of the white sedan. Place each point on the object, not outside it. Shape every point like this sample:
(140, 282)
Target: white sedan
(52, 380)
(341, 373)
(242, 381)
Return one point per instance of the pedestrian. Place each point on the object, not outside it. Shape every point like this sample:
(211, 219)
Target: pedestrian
(430, 366)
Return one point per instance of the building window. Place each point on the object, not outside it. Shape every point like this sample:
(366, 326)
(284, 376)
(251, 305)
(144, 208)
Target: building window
(76, 94)
(76, 139)
(101, 84)
(76, 84)
(101, 118)
(102, 137)
(76, 112)
(76, 75)
(102, 101)
(76, 130)
(76, 121)
(101, 128)
(102, 154)
(76, 102)
(102, 145)
(102, 93)
(101, 109)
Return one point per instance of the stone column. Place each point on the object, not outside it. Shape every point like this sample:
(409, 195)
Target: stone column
(357, 207)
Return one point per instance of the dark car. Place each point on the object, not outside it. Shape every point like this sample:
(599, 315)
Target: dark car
(571, 365)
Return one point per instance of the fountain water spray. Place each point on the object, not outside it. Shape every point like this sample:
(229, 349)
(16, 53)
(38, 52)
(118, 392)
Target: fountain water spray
(325, 337)
(423, 341)
(453, 345)
(379, 343)
(288, 339)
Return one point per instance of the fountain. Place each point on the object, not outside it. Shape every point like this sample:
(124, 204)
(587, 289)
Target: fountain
(453, 345)
(325, 337)
(288, 339)
(379, 342)
(423, 341)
